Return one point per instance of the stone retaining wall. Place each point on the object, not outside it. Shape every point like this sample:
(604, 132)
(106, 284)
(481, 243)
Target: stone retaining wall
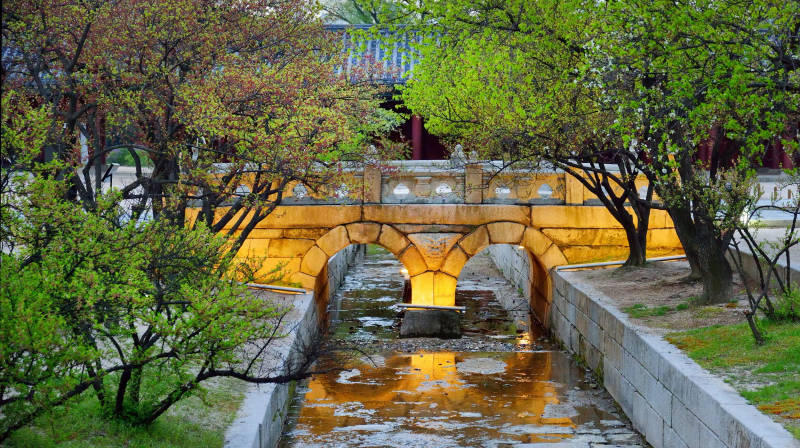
(260, 418)
(670, 399)
(515, 265)
(749, 265)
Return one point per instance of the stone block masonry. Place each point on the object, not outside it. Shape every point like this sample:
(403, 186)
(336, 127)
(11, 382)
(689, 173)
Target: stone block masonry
(261, 415)
(670, 399)
(515, 265)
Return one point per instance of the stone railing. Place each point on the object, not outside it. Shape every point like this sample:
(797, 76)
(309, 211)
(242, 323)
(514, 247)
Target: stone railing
(439, 182)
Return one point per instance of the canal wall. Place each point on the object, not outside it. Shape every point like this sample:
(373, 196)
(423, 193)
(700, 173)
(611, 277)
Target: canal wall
(749, 260)
(260, 418)
(515, 265)
(669, 398)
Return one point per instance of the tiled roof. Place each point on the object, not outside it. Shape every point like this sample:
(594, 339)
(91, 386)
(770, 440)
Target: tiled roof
(383, 60)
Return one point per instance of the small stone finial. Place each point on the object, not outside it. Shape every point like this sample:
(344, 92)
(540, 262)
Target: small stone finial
(457, 157)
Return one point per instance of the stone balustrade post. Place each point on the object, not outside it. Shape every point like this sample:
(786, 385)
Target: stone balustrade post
(473, 184)
(574, 190)
(372, 184)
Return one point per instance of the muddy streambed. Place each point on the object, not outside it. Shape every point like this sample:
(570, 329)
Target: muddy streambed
(501, 384)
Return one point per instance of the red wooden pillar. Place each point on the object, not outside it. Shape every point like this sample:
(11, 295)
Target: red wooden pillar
(416, 137)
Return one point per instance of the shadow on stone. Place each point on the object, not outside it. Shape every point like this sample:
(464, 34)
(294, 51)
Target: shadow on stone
(445, 324)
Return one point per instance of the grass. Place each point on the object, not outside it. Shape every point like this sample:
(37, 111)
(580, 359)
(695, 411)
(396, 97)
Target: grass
(768, 376)
(193, 422)
(374, 249)
(640, 310)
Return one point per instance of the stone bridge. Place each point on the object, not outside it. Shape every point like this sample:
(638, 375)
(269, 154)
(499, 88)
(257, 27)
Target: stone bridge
(434, 218)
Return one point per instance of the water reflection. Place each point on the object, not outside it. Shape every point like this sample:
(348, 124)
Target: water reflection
(443, 398)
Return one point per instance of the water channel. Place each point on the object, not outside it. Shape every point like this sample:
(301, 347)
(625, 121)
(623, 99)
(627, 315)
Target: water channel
(502, 384)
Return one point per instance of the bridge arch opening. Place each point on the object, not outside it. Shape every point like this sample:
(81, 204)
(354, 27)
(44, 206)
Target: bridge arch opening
(528, 282)
(530, 250)
(433, 260)
(377, 295)
(342, 236)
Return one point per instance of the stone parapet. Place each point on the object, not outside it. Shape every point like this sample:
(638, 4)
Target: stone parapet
(260, 418)
(670, 399)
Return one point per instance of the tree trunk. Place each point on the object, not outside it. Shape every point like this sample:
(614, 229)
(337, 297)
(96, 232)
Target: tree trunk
(714, 267)
(705, 254)
(122, 387)
(636, 254)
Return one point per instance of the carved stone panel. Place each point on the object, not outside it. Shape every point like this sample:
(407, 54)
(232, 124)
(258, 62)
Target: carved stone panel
(434, 246)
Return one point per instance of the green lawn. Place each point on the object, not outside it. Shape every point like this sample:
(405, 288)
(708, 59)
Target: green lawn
(768, 376)
(640, 310)
(191, 423)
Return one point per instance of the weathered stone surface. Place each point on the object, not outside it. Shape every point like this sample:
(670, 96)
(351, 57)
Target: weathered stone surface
(604, 237)
(443, 324)
(659, 219)
(434, 246)
(413, 261)
(475, 241)
(306, 281)
(572, 216)
(473, 184)
(302, 233)
(454, 261)
(392, 240)
(372, 184)
(363, 232)
(454, 214)
(535, 241)
(662, 238)
(552, 257)
(505, 232)
(575, 191)
(254, 247)
(591, 254)
(288, 247)
(334, 241)
(299, 216)
(265, 233)
(433, 228)
(444, 289)
(314, 261)
(422, 288)
(272, 267)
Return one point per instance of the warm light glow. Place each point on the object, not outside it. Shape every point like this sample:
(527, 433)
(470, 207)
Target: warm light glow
(524, 338)
(521, 247)
(404, 271)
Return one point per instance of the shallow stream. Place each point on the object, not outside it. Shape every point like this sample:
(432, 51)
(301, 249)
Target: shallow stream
(501, 384)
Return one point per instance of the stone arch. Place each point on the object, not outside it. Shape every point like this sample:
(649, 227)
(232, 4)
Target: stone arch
(541, 247)
(341, 236)
(543, 254)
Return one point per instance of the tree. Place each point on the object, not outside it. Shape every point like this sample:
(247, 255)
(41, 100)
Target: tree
(137, 298)
(642, 85)
(505, 78)
(360, 12)
(686, 73)
(231, 103)
(770, 289)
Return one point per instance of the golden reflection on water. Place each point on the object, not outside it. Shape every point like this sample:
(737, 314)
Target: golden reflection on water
(463, 396)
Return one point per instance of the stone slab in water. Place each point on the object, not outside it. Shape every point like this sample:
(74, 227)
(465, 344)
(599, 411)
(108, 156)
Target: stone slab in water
(445, 324)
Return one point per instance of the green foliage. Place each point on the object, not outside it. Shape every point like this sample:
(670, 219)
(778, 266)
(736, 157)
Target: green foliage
(768, 375)
(218, 96)
(787, 305)
(644, 84)
(124, 158)
(640, 310)
(198, 421)
(362, 11)
(142, 313)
